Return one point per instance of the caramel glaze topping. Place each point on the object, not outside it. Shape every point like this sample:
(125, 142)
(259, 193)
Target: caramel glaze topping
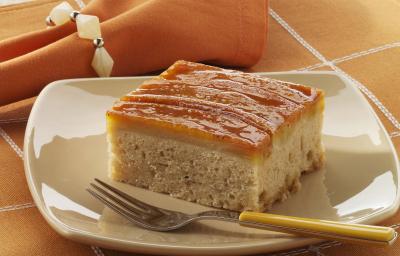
(272, 109)
(195, 73)
(197, 120)
(215, 104)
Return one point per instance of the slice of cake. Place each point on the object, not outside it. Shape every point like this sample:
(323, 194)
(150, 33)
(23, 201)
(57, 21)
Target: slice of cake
(217, 137)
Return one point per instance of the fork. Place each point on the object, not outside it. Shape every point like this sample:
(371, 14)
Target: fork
(158, 219)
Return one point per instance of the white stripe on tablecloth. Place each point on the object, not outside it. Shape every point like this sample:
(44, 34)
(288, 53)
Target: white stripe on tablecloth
(354, 56)
(97, 250)
(13, 145)
(15, 207)
(366, 52)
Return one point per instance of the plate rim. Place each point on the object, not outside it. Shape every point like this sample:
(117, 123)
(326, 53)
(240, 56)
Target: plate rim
(151, 247)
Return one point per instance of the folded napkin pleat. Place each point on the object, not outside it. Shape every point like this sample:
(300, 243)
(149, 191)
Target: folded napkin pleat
(141, 36)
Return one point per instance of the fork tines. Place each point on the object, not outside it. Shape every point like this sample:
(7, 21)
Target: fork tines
(124, 204)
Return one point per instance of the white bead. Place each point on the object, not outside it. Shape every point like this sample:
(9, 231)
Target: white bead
(88, 26)
(102, 62)
(60, 14)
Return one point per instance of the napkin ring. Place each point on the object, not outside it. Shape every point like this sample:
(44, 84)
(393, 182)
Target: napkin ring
(88, 27)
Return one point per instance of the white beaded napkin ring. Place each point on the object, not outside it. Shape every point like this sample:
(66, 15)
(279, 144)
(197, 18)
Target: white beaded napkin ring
(88, 27)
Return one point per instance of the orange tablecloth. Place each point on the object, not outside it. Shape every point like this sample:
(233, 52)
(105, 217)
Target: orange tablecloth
(359, 39)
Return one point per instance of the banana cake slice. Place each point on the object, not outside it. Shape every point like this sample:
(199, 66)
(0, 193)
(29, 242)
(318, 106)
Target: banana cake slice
(218, 137)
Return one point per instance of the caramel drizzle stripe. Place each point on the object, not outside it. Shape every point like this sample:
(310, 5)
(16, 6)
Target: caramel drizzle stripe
(206, 106)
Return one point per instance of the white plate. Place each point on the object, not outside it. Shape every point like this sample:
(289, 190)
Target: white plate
(65, 148)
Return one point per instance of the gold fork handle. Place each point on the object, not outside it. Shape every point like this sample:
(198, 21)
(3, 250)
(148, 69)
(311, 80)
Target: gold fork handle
(346, 232)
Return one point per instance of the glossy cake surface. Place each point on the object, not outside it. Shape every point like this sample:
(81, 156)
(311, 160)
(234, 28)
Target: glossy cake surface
(216, 104)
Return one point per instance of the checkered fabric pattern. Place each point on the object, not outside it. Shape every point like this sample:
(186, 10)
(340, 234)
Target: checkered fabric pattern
(359, 39)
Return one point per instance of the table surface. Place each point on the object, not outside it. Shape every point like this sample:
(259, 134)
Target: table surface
(359, 39)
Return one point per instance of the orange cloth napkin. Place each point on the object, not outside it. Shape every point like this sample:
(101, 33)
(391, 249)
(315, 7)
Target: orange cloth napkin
(141, 36)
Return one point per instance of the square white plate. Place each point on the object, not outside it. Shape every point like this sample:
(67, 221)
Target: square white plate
(65, 148)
